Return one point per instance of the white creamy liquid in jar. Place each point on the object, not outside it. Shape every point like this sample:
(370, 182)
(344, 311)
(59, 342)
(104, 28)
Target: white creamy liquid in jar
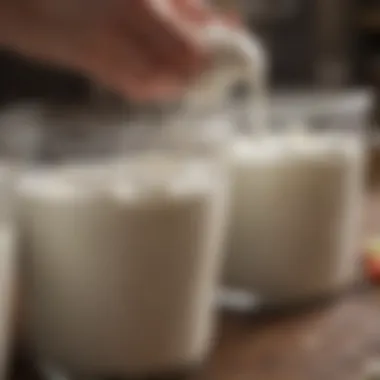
(8, 269)
(7, 294)
(295, 215)
(124, 264)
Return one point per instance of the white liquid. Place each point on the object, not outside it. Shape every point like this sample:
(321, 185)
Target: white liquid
(7, 294)
(296, 204)
(124, 264)
(7, 266)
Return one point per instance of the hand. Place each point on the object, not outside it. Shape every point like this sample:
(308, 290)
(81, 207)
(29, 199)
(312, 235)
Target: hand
(142, 48)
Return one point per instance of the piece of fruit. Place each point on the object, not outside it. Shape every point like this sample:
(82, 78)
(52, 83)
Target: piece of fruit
(372, 261)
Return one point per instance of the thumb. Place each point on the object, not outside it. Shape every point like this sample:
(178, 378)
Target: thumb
(194, 11)
(232, 19)
(197, 11)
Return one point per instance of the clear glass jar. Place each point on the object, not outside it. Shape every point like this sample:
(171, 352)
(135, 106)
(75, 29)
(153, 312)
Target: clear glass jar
(123, 235)
(8, 263)
(123, 250)
(296, 203)
(8, 269)
(19, 143)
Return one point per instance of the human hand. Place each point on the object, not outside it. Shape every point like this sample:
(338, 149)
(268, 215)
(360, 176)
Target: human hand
(145, 49)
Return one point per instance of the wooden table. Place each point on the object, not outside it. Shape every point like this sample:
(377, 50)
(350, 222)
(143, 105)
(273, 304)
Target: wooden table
(335, 341)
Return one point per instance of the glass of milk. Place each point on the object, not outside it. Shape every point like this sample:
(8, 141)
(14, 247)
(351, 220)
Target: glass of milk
(123, 233)
(294, 227)
(123, 251)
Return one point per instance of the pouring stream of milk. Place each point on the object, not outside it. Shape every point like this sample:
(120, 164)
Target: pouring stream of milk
(236, 56)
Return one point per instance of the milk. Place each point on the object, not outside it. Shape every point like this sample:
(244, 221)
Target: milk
(123, 264)
(7, 294)
(295, 215)
(7, 267)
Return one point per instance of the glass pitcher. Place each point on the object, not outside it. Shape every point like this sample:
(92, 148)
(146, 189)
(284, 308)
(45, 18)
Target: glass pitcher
(122, 236)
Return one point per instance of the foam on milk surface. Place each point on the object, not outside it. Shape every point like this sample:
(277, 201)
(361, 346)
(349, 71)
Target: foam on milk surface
(122, 281)
(142, 177)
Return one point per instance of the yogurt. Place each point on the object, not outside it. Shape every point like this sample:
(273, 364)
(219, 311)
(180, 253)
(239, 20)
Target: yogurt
(123, 263)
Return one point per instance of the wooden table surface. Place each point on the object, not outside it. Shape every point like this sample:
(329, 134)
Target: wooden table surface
(335, 341)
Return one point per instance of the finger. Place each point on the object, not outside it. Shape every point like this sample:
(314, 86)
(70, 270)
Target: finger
(119, 64)
(232, 19)
(129, 72)
(196, 11)
(193, 11)
(103, 51)
(174, 51)
(140, 91)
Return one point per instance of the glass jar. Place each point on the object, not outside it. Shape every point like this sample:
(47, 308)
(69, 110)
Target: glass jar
(122, 234)
(122, 256)
(294, 230)
(8, 269)
(19, 143)
(8, 264)
(21, 134)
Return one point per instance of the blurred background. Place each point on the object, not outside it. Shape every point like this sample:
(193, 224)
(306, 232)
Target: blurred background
(314, 47)
(312, 44)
